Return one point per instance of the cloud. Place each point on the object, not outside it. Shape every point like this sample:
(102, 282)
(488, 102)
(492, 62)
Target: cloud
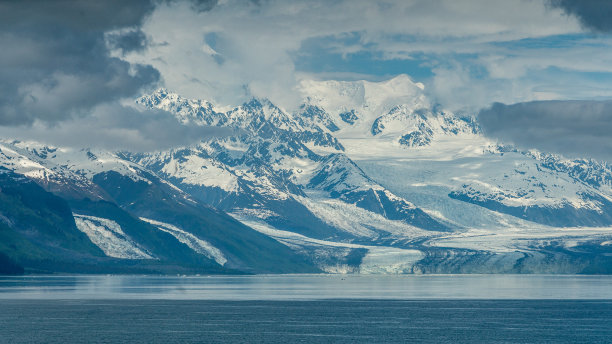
(239, 49)
(117, 127)
(126, 41)
(593, 14)
(54, 61)
(573, 128)
(203, 5)
(77, 15)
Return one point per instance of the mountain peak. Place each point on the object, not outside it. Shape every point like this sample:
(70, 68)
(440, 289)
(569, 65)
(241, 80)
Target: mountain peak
(366, 97)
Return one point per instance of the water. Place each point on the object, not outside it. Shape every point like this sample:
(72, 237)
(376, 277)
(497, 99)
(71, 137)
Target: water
(309, 287)
(308, 309)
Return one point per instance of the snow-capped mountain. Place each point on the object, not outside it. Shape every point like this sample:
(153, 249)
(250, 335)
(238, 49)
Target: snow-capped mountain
(362, 177)
(261, 171)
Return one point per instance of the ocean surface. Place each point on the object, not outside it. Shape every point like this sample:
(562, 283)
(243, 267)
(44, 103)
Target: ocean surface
(306, 309)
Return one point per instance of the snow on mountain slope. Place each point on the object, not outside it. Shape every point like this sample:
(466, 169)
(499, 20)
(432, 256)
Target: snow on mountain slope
(363, 99)
(187, 171)
(597, 174)
(525, 183)
(108, 236)
(85, 162)
(344, 180)
(48, 163)
(187, 111)
(18, 162)
(257, 115)
(31, 160)
(195, 243)
(209, 167)
(512, 180)
(417, 128)
(364, 224)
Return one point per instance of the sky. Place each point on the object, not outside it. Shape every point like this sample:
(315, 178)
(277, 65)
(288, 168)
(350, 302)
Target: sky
(75, 65)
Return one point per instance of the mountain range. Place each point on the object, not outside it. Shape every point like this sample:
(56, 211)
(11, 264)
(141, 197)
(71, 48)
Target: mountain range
(364, 177)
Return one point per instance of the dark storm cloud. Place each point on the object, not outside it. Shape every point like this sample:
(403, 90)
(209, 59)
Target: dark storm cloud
(203, 5)
(81, 15)
(196, 5)
(54, 61)
(128, 41)
(593, 14)
(573, 128)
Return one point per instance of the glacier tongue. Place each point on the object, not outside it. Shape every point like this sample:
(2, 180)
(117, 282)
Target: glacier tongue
(375, 260)
(195, 243)
(108, 236)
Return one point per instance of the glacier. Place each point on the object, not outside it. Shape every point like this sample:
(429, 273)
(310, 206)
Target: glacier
(109, 236)
(195, 243)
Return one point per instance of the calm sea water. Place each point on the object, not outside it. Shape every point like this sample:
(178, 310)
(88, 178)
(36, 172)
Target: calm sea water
(306, 309)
